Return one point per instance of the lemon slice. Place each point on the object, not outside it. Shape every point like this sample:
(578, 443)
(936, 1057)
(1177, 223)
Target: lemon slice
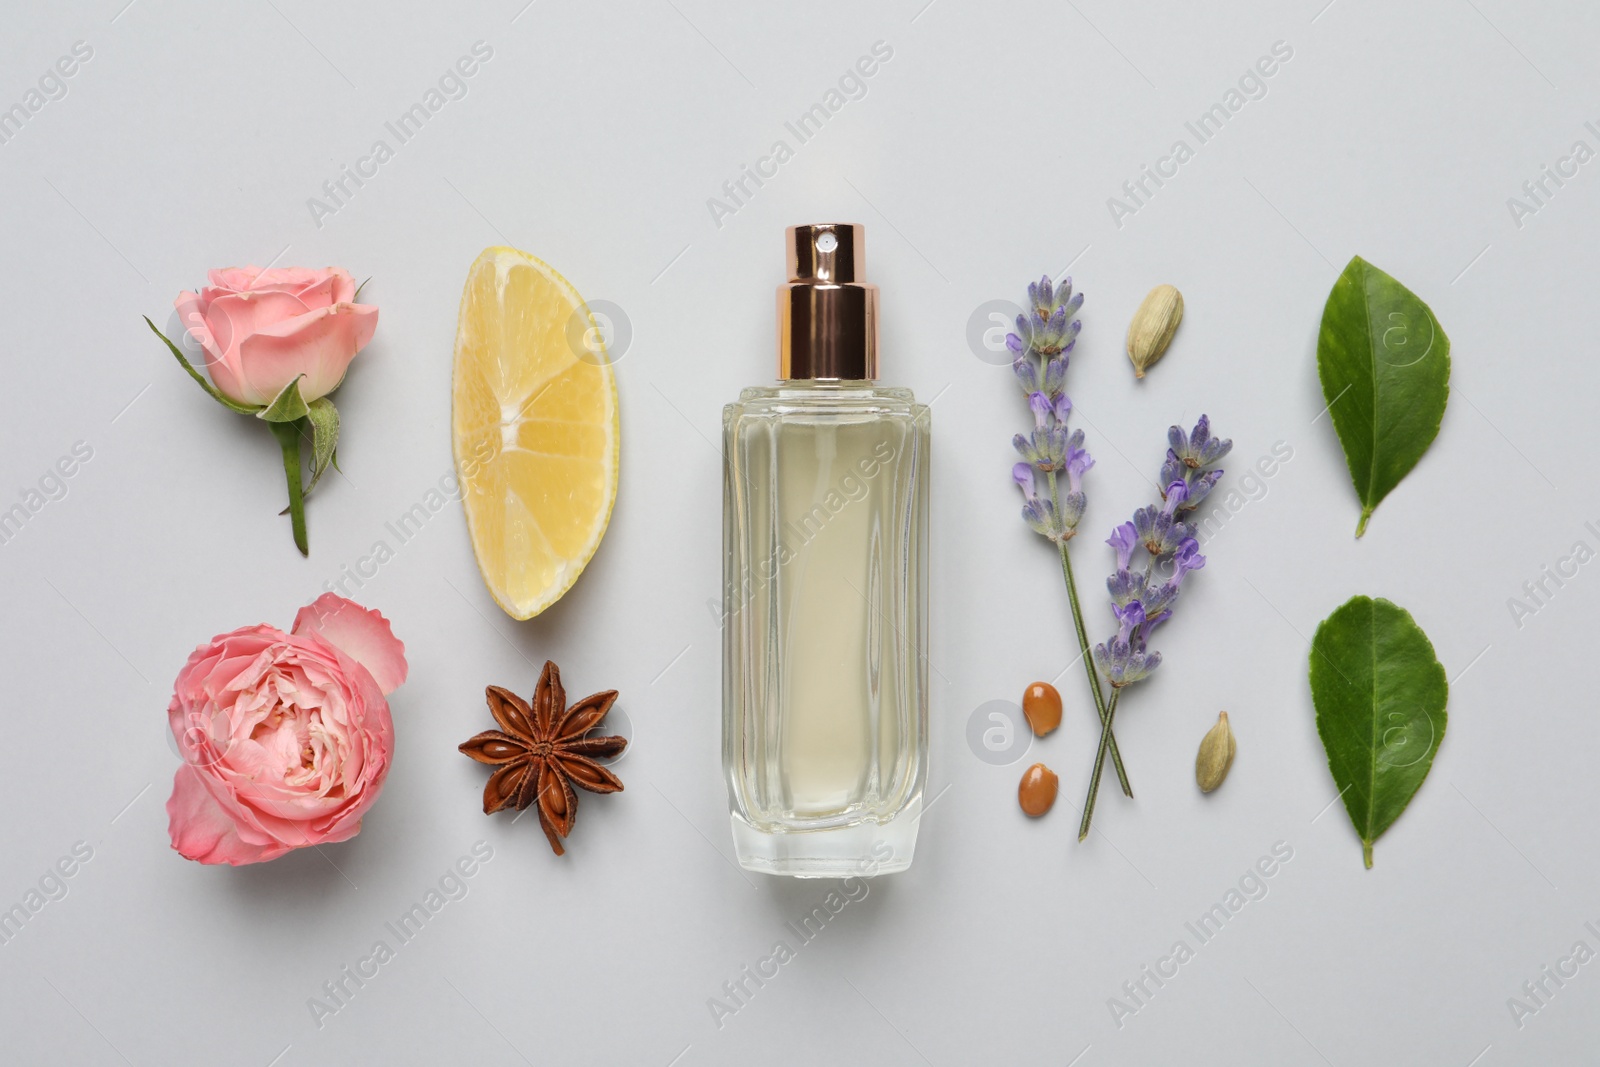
(534, 422)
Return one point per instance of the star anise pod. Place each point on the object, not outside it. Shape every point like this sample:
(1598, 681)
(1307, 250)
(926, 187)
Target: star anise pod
(541, 752)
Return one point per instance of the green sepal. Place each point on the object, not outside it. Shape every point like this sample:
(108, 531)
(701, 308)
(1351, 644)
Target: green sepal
(287, 406)
(324, 419)
(227, 402)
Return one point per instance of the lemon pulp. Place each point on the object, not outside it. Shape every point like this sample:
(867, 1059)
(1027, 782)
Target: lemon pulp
(535, 429)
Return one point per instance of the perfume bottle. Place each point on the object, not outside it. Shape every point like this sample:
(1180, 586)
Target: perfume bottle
(825, 581)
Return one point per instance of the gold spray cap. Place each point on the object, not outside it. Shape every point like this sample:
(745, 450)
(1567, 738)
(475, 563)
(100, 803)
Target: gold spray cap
(827, 315)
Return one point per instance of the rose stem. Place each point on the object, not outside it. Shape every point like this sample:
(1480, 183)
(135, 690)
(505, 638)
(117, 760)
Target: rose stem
(1099, 765)
(288, 435)
(1088, 661)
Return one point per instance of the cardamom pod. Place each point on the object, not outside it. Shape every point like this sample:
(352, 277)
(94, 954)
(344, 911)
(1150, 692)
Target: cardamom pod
(1152, 327)
(1216, 755)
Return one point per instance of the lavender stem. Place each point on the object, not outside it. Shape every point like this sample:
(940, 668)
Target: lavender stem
(1088, 660)
(1099, 765)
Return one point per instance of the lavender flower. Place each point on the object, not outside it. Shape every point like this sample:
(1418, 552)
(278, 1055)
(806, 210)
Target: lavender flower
(1198, 448)
(1158, 532)
(1187, 558)
(1055, 372)
(1044, 411)
(1050, 325)
(1078, 461)
(1139, 602)
(1042, 346)
(1045, 449)
(1072, 514)
(1126, 587)
(1124, 539)
(1125, 661)
(1037, 512)
(1158, 601)
(1200, 488)
(1027, 370)
(1188, 458)
(1172, 496)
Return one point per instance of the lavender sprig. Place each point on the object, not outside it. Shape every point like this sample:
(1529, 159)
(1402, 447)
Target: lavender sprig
(1138, 601)
(1042, 347)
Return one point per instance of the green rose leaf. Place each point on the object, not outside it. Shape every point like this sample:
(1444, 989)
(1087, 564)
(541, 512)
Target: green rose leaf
(1380, 695)
(324, 419)
(227, 402)
(1384, 362)
(287, 406)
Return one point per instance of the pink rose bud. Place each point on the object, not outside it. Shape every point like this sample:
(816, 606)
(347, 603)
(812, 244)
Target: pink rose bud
(261, 329)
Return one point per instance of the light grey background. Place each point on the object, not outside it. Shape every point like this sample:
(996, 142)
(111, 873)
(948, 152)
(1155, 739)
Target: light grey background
(983, 153)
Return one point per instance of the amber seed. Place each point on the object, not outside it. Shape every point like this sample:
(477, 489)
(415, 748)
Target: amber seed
(1042, 705)
(1037, 790)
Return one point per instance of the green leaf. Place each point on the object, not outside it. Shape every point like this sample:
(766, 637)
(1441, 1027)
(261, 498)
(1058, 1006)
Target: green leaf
(1384, 362)
(1380, 695)
(227, 402)
(324, 419)
(287, 406)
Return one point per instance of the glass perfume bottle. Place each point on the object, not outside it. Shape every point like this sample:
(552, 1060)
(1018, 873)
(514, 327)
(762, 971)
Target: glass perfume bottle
(825, 561)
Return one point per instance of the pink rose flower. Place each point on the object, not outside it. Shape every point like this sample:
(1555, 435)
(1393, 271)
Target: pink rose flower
(285, 737)
(261, 329)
